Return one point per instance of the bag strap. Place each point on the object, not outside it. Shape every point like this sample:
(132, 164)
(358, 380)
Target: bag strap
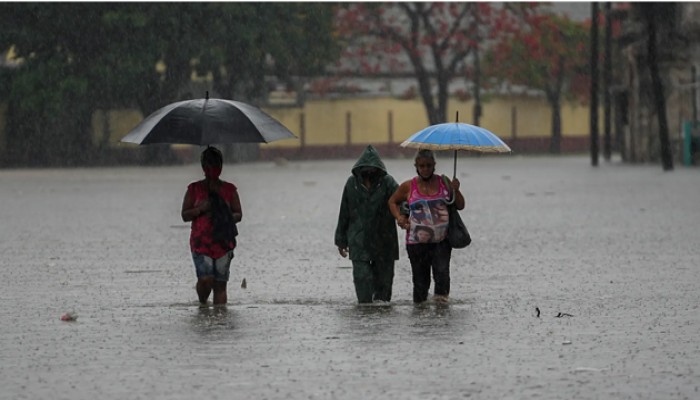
(452, 194)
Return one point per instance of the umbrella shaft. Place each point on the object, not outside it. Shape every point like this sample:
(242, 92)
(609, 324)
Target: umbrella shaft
(454, 174)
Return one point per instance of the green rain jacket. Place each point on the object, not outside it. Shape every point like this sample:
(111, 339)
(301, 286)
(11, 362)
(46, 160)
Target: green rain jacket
(365, 224)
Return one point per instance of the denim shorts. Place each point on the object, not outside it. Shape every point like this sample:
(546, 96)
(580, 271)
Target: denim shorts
(220, 268)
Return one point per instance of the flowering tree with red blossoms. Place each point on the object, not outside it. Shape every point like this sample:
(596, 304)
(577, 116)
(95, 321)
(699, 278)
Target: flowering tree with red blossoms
(546, 52)
(430, 41)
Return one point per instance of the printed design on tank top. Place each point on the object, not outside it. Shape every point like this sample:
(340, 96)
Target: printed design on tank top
(429, 217)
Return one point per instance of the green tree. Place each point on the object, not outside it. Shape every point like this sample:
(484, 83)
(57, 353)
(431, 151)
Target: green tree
(76, 58)
(45, 122)
(81, 57)
(249, 42)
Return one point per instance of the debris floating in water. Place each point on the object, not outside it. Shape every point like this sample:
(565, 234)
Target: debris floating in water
(244, 284)
(69, 316)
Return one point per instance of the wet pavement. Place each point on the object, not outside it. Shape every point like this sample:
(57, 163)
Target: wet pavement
(615, 247)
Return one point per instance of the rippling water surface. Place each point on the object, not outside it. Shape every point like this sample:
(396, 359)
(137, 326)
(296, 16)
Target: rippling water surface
(615, 247)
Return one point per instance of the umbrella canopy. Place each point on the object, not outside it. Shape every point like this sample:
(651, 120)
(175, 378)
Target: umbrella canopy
(208, 121)
(456, 136)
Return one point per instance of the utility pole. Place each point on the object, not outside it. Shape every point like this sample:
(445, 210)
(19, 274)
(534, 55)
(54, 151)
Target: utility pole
(607, 82)
(594, 84)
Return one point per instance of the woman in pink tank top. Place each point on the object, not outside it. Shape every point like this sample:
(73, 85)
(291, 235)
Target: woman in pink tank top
(426, 225)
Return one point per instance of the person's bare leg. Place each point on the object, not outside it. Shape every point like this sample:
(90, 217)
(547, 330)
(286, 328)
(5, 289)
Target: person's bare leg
(204, 288)
(220, 295)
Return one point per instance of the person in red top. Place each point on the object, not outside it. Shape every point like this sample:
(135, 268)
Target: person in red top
(212, 252)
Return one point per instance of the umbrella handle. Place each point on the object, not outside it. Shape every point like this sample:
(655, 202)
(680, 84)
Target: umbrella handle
(454, 173)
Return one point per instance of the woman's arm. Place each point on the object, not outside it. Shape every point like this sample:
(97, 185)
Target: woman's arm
(399, 196)
(460, 203)
(189, 211)
(236, 207)
(341, 228)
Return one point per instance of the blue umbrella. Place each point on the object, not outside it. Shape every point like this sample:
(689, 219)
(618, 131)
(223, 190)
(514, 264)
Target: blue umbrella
(456, 136)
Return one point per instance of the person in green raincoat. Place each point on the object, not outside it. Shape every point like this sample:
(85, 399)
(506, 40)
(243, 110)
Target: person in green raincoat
(366, 229)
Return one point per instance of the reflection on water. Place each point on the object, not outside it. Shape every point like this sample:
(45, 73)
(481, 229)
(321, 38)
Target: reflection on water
(213, 319)
(426, 319)
(434, 311)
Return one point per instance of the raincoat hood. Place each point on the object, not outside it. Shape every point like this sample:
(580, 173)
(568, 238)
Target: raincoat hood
(369, 158)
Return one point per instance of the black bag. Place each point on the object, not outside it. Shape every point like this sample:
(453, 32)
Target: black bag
(457, 234)
(224, 227)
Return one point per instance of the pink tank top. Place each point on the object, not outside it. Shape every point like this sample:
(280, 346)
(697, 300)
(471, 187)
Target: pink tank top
(201, 236)
(428, 214)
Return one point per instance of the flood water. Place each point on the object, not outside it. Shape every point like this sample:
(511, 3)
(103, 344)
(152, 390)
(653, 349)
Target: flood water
(616, 247)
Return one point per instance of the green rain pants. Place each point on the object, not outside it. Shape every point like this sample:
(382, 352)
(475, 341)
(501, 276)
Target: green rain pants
(373, 280)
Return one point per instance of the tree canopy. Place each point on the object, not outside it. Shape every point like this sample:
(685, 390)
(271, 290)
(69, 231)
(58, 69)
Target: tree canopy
(77, 58)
